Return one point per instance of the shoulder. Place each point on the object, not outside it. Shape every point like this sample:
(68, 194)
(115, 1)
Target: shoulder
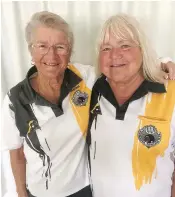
(170, 91)
(170, 85)
(87, 72)
(15, 91)
(170, 88)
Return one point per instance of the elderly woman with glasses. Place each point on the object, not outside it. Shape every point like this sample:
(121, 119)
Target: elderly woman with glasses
(46, 115)
(132, 121)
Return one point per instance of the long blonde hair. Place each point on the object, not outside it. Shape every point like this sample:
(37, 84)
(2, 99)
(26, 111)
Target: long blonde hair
(125, 27)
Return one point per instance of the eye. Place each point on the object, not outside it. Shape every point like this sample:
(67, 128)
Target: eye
(105, 49)
(125, 47)
(42, 46)
(60, 47)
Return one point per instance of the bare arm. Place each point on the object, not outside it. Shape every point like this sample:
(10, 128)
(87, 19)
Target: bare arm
(18, 164)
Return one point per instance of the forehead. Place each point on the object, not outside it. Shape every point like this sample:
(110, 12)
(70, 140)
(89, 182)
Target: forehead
(118, 35)
(50, 35)
(110, 38)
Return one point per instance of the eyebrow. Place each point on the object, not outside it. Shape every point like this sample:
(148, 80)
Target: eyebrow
(123, 41)
(118, 43)
(44, 42)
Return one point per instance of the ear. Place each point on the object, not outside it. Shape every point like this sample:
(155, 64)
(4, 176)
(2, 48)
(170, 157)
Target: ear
(30, 49)
(32, 62)
(69, 55)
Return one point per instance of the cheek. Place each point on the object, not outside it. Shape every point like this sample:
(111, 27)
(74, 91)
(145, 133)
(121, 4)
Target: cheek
(36, 57)
(65, 59)
(103, 63)
(135, 60)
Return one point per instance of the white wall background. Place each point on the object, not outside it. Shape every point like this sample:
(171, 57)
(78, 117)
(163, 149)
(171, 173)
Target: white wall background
(85, 18)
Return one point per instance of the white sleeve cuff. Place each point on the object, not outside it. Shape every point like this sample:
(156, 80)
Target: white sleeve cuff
(165, 59)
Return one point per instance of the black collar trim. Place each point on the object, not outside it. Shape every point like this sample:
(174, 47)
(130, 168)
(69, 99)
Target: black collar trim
(103, 87)
(29, 96)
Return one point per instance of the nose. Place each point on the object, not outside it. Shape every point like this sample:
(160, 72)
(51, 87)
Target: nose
(51, 53)
(116, 53)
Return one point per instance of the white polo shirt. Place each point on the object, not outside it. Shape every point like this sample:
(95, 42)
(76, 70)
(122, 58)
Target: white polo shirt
(53, 136)
(132, 146)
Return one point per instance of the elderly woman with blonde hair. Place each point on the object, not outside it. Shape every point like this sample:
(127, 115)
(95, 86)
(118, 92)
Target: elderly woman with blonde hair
(46, 115)
(131, 133)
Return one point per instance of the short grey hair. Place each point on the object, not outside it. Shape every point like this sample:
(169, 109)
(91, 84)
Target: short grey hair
(50, 20)
(125, 27)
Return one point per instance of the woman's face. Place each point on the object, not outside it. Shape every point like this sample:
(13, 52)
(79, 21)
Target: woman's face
(120, 60)
(50, 51)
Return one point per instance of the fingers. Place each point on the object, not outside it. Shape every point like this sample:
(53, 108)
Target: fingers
(163, 67)
(169, 68)
(170, 74)
(166, 76)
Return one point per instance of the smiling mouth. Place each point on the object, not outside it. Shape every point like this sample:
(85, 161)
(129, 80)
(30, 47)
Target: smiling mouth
(51, 65)
(117, 65)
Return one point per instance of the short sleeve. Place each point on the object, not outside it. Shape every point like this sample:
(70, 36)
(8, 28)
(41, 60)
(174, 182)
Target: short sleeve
(88, 74)
(165, 59)
(172, 154)
(173, 121)
(10, 136)
(173, 127)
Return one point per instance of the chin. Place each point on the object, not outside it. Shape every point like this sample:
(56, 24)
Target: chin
(117, 79)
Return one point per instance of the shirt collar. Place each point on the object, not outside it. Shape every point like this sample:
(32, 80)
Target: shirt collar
(148, 85)
(102, 87)
(29, 96)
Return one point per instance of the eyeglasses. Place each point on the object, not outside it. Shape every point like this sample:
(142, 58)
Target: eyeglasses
(43, 49)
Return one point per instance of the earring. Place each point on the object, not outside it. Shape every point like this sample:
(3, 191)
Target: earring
(32, 62)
